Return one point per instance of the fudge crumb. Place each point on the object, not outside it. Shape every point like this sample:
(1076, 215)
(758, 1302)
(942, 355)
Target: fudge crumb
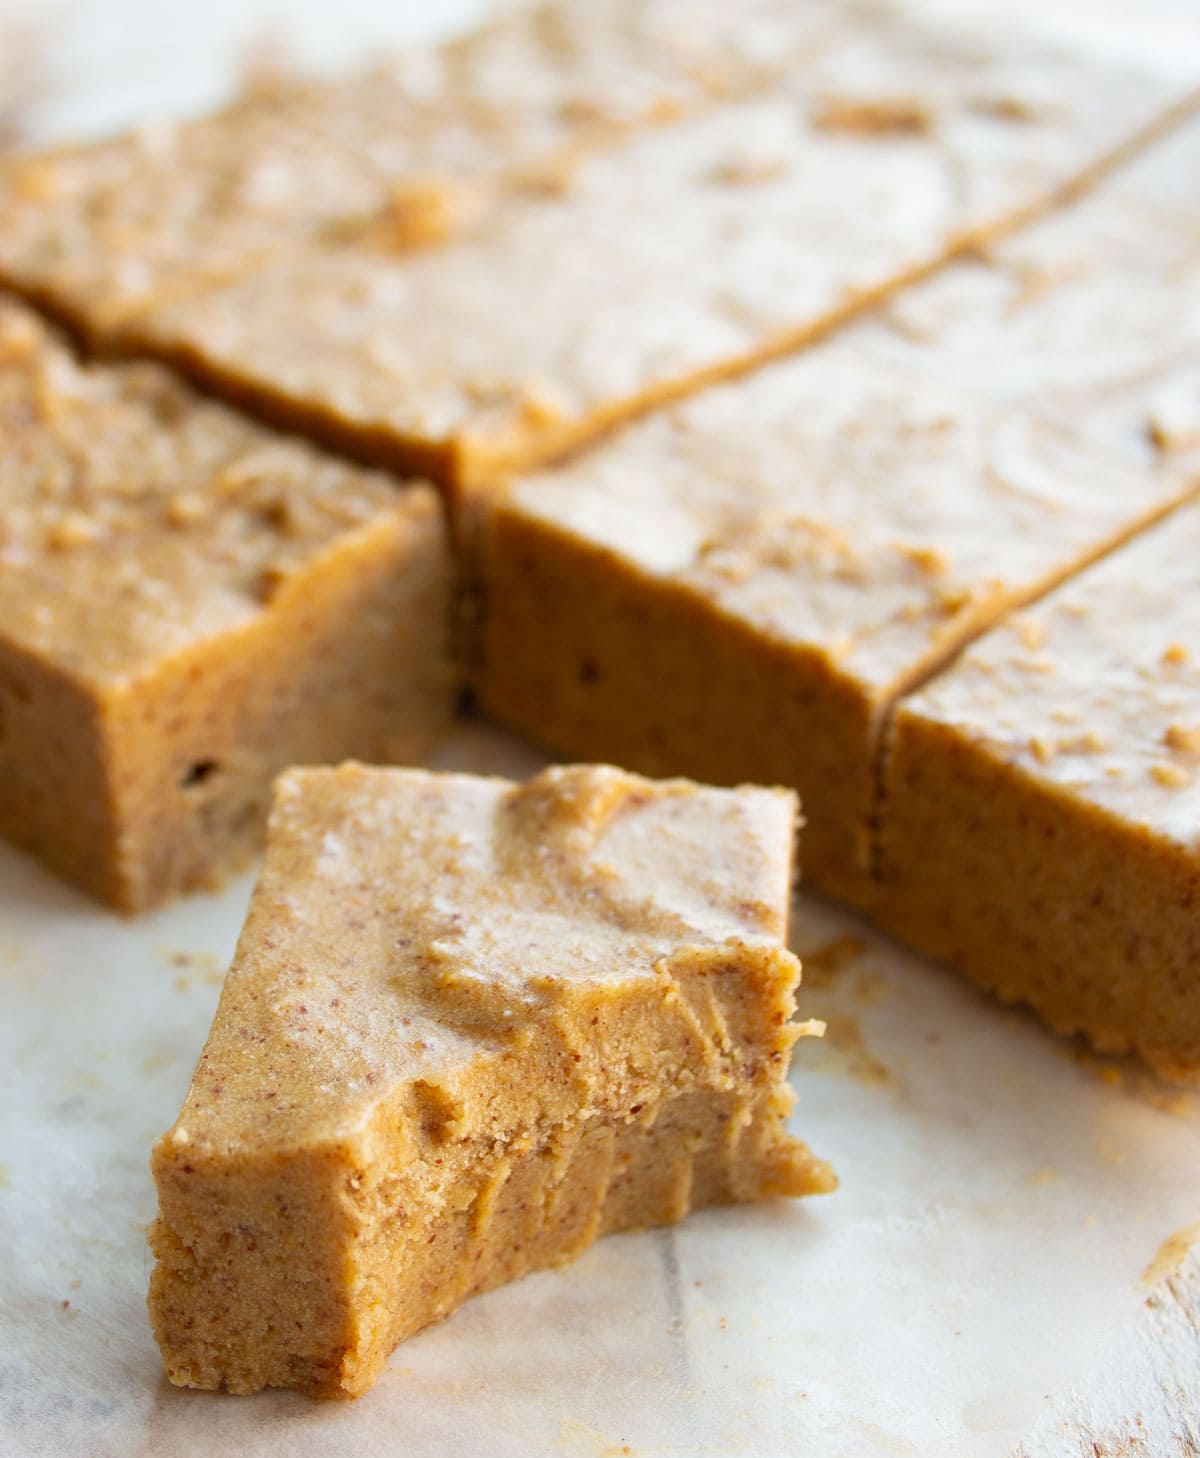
(747, 169)
(584, 111)
(185, 509)
(1171, 1254)
(1170, 428)
(72, 529)
(1173, 776)
(1157, 434)
(1006, 108)
(929, 560)
(887, 116)
(539, 405)
(953, 600)
(1089, 742)
(547, 177)
(1181, 738)
(422, 212)
(1176, 653)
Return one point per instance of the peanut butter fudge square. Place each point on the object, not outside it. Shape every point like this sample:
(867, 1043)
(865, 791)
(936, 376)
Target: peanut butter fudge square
(1041, 812)
(746, 585)
(187, 604)
(742, 587)
(470, 1027)
(403, 156)
(759, 224)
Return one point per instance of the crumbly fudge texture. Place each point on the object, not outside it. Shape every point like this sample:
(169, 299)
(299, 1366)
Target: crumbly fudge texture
(1041, 814)
(470, 1027)
(759, 224)
(187, 604)
(420, 149)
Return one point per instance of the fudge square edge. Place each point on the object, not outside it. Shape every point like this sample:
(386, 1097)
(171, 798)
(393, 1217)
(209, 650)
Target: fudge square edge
(1050, 782)
(188, 604)
(471, 1026)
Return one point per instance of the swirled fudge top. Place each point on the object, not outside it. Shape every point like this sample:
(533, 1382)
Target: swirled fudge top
(406, 923)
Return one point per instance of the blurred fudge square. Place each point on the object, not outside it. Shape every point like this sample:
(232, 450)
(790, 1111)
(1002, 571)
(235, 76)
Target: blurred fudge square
(187, 604)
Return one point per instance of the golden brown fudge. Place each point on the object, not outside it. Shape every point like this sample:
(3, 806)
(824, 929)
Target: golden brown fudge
(741, 587)
(187, 604)
(403, 156)
(1066, 313)
(471, 1026)
(745, 586)
(669, 259)
(1041, 812)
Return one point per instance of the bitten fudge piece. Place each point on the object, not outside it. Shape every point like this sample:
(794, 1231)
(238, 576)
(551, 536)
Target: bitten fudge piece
(470, 1027)
(1041, 814)
(742, 587)
(187, 604)
(759, 225)
(406, 155)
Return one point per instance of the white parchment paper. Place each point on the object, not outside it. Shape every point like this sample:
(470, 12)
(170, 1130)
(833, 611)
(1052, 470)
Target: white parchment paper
(1001, 1197)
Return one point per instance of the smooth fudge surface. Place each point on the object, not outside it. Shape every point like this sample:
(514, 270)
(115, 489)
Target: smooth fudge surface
(471, 1025)
(188, 603)
(1072, 313)
(1040, 826)
(761, 222)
